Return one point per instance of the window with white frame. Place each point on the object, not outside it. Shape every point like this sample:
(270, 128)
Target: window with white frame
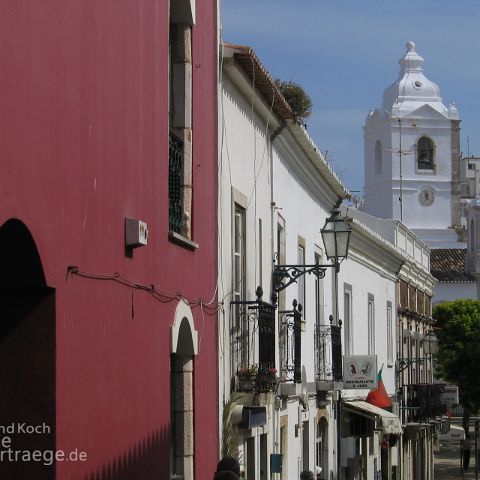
(239, 247)
(347, 319)
(390, 335)
(371, 324)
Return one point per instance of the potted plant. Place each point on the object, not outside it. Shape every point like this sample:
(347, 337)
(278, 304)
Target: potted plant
(247, 378)
(268, 380)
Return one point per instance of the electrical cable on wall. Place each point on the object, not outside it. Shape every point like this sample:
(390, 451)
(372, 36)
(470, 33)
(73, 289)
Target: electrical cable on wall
(164, 297)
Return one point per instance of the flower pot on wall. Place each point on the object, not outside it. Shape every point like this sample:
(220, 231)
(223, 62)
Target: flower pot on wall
(246, 381)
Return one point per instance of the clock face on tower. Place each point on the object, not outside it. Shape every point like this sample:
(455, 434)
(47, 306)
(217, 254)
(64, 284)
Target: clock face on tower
(426, 197)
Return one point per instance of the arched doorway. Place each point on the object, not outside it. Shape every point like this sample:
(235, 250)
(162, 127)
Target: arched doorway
(184, 349)
(321, 447)
(27, 356)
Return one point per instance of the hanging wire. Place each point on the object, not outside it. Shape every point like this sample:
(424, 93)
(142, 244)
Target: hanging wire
(163, 297)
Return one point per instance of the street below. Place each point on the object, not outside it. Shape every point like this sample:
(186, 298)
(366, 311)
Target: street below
(447, 463)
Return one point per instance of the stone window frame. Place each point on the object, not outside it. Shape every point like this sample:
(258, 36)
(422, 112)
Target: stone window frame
(181, 22)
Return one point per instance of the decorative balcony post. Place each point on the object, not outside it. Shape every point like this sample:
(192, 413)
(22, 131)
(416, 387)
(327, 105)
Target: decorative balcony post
(291, 330)
(297, 332)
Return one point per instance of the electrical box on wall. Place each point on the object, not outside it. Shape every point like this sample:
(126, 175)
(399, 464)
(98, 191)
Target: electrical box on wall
(136, 233)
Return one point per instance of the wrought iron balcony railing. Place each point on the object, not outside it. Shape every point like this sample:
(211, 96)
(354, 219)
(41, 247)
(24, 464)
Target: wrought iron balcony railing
(175, 182)
(424, 402)
(291, 344)
(328, 352)
(253, 344)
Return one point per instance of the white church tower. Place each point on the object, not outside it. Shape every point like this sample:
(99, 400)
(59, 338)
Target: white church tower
(412, 157)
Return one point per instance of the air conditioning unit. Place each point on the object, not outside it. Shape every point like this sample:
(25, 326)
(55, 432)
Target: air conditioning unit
(136, 233)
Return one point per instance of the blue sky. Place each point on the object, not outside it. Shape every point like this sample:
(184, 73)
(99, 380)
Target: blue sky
(345, 53)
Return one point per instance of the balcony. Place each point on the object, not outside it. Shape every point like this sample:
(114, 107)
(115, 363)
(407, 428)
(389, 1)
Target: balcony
(423, 402)
(328, 355)
(253, 345)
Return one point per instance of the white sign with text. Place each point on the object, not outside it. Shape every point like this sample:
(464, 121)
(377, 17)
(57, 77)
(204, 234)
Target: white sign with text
(359, 371)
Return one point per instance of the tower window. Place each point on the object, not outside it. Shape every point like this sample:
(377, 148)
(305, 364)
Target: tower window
(425, 157)
(378, 157)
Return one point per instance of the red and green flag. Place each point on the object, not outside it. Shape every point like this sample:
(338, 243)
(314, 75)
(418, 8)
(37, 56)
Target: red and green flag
(379, 396)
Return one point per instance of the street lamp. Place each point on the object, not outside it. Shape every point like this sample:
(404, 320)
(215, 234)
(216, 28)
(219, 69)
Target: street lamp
(430, 343)
(335, 234)
(336, 237)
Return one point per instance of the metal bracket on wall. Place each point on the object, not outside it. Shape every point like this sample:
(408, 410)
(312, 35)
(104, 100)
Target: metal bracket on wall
(285, 275)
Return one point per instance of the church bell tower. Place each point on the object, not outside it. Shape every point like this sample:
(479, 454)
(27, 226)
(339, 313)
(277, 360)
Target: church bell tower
(412, 156)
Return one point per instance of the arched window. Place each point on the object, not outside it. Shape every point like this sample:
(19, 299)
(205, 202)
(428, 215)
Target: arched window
(425, 160)
(378, 157)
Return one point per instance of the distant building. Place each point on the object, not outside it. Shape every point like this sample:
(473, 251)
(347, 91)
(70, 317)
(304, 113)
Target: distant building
(470, 184)
(454, 280)
(414, 171)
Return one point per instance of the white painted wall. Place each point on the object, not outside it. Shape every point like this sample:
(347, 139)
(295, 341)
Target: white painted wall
(366, 279)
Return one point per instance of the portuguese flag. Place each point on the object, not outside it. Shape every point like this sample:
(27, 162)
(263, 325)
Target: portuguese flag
(379, 396)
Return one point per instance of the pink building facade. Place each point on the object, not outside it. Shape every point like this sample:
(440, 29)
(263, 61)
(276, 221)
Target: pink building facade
(108, 350)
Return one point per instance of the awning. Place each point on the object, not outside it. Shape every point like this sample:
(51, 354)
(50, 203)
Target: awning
(390, 421)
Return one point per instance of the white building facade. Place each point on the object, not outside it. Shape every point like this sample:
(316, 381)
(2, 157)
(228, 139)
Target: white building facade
(275, 192)
(280, 354)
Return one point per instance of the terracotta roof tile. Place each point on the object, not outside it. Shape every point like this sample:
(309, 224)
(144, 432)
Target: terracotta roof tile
(448, 265)
(264, 83)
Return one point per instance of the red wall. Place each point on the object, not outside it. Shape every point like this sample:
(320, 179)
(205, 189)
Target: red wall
(84, 144)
